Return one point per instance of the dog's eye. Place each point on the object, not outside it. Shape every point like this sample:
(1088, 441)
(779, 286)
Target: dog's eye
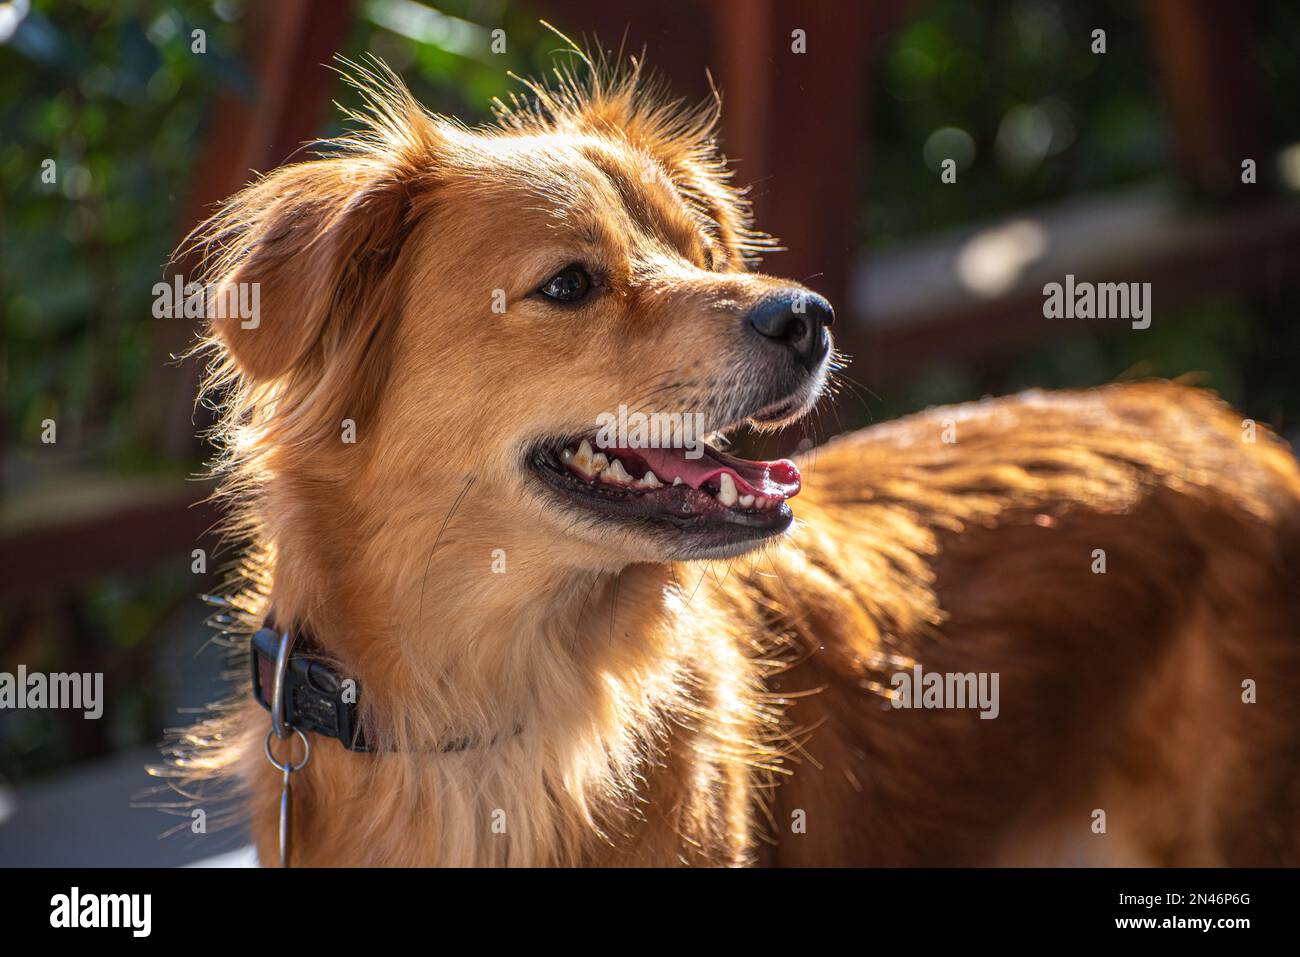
(570, 284)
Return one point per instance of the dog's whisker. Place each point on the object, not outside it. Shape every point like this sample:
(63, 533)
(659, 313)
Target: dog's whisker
(419, 618)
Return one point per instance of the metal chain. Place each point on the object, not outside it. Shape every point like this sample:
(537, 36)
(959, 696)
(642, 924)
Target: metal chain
(281, 729)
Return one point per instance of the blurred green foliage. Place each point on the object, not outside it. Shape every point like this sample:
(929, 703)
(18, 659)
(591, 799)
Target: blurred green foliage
(111, 93)
(1013, 92)
(1040, 117)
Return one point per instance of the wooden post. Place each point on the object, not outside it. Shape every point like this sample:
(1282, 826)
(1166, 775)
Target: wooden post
(1210, 85)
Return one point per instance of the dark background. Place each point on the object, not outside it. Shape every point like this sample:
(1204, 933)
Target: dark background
(1122, 166)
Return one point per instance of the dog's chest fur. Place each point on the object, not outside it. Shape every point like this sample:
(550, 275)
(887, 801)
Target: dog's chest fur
(645, 754)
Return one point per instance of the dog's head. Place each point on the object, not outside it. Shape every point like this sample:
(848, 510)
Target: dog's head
(556, 311)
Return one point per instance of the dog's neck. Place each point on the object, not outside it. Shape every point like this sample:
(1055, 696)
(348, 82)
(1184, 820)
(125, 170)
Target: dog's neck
(455, 650)
(613, 677)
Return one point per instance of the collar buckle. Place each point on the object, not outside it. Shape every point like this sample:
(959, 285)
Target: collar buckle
(313, 697)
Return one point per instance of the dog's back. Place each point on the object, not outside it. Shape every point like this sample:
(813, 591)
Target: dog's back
(1117, 565)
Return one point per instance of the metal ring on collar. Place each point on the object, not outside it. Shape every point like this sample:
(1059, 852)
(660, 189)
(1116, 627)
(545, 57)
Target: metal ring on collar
(288, 766)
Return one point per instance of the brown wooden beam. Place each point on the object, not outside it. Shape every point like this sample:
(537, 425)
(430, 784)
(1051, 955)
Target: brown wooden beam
(1253, 250)
(55, 555)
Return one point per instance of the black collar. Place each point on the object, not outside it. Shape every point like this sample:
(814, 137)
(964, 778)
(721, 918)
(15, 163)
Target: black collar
(316, 699)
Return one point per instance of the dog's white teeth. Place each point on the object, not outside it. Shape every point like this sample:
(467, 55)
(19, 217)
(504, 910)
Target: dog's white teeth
(616, 474)
(727, 494)
(716, 440)
(582, 459)
(611, 470)
(593, 465)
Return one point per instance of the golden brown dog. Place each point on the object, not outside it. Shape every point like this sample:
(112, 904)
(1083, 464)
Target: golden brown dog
(651, 671)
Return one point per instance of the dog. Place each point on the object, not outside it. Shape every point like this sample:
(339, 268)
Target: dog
(573, 652)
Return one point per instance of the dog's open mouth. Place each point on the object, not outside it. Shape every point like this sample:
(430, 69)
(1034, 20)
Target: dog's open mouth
(700, 489)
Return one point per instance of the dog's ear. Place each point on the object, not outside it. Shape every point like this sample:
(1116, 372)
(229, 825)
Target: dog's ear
(309, 249)
(304, 246)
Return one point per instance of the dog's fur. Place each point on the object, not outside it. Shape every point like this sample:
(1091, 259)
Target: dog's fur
(734, 712)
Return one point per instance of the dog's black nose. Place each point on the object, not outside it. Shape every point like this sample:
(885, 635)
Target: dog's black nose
(797, 319)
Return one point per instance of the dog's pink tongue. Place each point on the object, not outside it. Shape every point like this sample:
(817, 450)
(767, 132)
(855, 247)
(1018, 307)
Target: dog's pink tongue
(775, 479)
